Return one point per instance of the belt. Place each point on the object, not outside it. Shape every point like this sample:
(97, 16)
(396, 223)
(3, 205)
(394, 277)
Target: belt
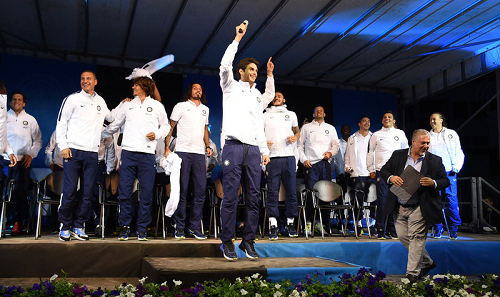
(414, 205)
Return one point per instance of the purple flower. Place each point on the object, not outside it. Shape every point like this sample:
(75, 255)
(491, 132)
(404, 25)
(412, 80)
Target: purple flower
(198, 288)
(366, 292)
(377, 292)
(36, 287)
(336, 295)
(326, 295)
(496, 282)
(11, 290)
(50, 288)
(163, 288)
(359, 277)
(371, 281)
(429, 290)
(78, 290)
(299, 287)
(346, 276)
(317, 273)
(308, 279)
(439, 280)
(363, 270)
(114, 293)
(380, 275)
(99, 292)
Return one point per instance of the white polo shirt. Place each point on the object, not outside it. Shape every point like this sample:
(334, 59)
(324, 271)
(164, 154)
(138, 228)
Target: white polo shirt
(139, 119)
(23, 134)
(317, 139)
(356, 154)
(191, 121)
(382, 144)
(278, 124)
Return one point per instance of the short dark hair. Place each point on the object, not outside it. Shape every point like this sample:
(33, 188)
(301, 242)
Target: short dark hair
(362, 117)
(2, 87)
(244, 63)
(91, 71)
(389, 111)
(280, 93)
(445, 124)
(17, 93)
(189, 92)
(146, 84)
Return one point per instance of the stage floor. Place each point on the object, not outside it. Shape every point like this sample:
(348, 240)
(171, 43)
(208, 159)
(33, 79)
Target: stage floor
(111, 262)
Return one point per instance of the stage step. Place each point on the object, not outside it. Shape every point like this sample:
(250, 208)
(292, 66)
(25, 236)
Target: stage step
(197, 269)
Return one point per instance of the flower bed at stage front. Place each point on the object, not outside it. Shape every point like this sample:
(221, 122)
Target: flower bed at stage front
(362, 284)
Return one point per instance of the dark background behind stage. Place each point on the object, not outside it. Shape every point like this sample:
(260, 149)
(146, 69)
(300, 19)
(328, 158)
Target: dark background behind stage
(47, 82)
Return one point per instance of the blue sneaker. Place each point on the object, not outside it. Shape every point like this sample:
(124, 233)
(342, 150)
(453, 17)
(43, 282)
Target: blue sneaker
(142, 236)
(273, 233)
(197, 234)
(79, 233)
(124, 232)
(227, 248)
(64, 235)
(249, 249)
(179, 234)
(437, 233)
(453, 235)
(290, 229)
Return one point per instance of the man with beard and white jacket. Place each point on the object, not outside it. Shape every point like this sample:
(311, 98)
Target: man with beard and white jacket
(382, 144)
(25, 138)
(282, 132)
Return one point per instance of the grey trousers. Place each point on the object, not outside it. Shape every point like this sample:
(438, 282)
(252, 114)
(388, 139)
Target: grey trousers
(412, 232)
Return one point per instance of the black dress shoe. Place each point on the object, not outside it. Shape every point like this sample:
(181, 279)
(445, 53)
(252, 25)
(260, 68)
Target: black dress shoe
(412, 278)
(424, 271)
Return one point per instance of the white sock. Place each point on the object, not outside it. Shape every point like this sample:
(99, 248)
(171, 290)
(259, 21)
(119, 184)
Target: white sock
(289, 221)
(273, 222)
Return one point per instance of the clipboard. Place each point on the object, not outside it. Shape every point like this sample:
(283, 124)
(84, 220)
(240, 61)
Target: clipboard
(411, 183)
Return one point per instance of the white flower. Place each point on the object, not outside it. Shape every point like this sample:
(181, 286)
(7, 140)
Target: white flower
(130, 294)
(142, 280)
(484, 286)
(243, 292)
(277, 286)
(258, 295)
(164, 284)
(494, 276)
(148, 295)
(256, 275)
(177, 283)
(304, 293)
(405, 281)
(262, 284)
(249, 279)
(238, 279)
(277, 294)
(52, 278)
(295, 293)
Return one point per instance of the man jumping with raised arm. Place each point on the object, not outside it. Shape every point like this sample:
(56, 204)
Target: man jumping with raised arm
(245, 144)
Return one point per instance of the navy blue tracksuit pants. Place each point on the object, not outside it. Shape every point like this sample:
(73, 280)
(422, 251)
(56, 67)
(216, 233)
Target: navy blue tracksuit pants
(319, 171)
(141, 166)
(193, 165)
(281, 169)
(83, 166)
(23, 187)
(240, 165)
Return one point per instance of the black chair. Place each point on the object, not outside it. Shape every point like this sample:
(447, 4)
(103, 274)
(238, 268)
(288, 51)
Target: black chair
(364, 203)
(53, 183)
(6, 198)
(329, 192)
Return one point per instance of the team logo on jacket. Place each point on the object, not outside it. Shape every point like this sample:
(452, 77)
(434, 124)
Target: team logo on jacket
(98, 108)
(150, 109)
(450, 136)
(226, 163)
(25, 123)
(327, 132)
(396, 138)
(258, 99)
(204, 111)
